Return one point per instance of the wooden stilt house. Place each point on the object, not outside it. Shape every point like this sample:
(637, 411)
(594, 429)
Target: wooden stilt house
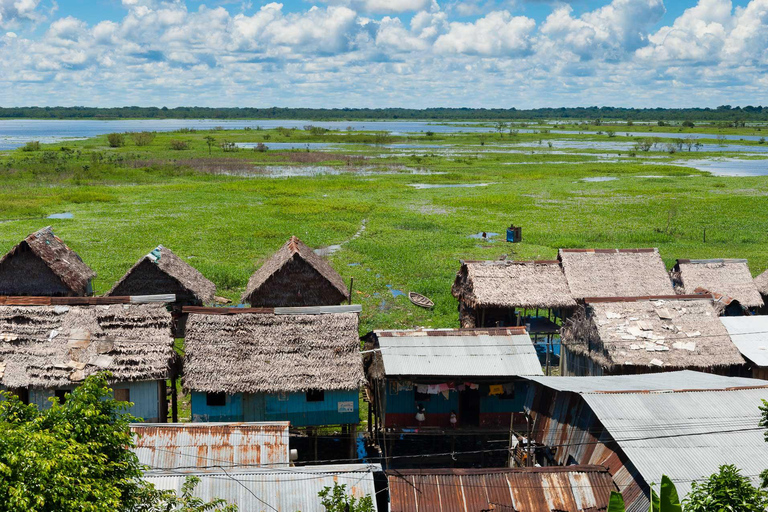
(729, 277)
(295, 276)
(761, 282)
(43, 265)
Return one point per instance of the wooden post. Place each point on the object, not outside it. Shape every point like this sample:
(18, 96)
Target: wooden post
(370, 415)
(162, 396)
(482, 318)
(549, 346)
(174, 399)
(314, 437)
(352, 441)
(351, 284)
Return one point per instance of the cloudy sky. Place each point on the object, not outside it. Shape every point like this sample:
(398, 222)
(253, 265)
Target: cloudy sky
(382, 53)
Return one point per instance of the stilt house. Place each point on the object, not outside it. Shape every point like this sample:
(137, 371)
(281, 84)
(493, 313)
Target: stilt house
(681, 424)
(43, 265)
(761, 282)
(641, 335)
(473, 373)
(162, 272)
(731, 278)
(295, 276)
(47, 350)
(301, 365)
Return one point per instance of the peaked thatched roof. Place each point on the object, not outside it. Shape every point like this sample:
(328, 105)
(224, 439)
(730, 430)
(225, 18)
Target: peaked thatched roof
(160, 272)
(615, 273)
(57, 346)
(728, 277)
(270, 352)
(670, 333)
(60, 259)
(295, 276)
(512, 284)
(761, 282)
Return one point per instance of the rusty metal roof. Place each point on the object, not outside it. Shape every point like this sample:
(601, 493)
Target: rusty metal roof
(201, 445)
(571, 488)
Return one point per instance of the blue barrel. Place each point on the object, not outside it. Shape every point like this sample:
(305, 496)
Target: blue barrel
(511, 235)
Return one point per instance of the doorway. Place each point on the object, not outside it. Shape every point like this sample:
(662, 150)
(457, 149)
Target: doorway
(469, 408)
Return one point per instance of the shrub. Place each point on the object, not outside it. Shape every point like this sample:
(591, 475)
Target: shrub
(116, 140)
(32, 145)
(143, 138)
(261, 147)
(179, 145)
(228, 147)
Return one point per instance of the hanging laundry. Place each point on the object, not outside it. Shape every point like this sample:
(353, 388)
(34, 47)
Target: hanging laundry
(509, 389)
(496, 389)
(433, 389)
(446, 394)
(422, 388)
(473, 386)
(443, 387)
(461, 387)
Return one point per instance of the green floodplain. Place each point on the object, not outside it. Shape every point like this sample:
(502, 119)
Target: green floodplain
(402, 209)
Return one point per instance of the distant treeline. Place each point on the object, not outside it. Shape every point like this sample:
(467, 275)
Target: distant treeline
(722, 113)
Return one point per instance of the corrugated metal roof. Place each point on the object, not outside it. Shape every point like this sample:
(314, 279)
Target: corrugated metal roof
(667, 381)
(201, 445)
(686, 435)
(270, 490)
(750, 335)
(572, 488)
(457, 353)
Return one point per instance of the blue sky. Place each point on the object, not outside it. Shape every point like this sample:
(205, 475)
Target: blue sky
(382, 53)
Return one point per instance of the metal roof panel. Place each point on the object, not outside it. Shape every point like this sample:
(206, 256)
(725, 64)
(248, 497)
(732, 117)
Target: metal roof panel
(750, 335)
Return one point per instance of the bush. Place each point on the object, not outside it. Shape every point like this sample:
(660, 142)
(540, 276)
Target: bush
(116, 140)
(179, 145)
(261, 147)
(33, 145)
(228, 147)
(143, 138)
(688, 124)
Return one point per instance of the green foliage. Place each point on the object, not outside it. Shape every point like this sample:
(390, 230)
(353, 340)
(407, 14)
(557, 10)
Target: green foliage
(616, 504)
(179, 145)
(143, 138)
(337, 500)
(32, 145)
(726, 491)
(116, 140)
(168, 501)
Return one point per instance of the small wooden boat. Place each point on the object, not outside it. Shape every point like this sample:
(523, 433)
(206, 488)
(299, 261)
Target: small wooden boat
(420, 300)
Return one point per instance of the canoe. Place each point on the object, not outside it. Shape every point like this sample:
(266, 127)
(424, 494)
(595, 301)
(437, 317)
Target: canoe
(420, 300)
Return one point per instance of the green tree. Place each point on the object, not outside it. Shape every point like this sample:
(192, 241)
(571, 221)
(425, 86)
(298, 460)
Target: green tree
(337, 500)
(210, 141)
(115, 140)
(726, 491)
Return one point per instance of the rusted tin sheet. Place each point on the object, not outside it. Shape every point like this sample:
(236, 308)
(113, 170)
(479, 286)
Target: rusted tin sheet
(572, 488)
(205, 445)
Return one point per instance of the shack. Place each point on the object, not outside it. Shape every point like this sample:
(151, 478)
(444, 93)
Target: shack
(169, 446)
(301, 365)
(47, 350)
(43, 265)
(681, 424)
(508, 293)
(729, 277)
(162, 272)
(281, 489)
(473, 373)
(615, 273)
(295, 276)
(643, 335)
(750, 336)
(761, 282)
(547, 489)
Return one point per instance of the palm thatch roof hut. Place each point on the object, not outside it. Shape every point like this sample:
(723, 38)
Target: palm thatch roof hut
(761, 282)
(615, 273)
(639, 335)
(43, 265)
(239, 350)
(295, 276)
(163, 272)
(726, 276)
(58, 346)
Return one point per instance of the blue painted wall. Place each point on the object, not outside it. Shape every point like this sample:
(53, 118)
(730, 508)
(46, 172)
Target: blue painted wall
(144, 395)
(291, 407)
(404, 401)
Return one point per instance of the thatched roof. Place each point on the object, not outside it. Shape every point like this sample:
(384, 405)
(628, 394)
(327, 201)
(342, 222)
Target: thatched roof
(728, 277)
(761, 282)
(57, 346)
(62, 261)
(270, 352)
(670, 333)
(615, 273)
(160, 272)
(512, 284)
(295, 276)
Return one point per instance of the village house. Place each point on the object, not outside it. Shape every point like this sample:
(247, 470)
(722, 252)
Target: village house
(750, 336)
(163, 272)
(47, 350)
(511, 293)
(731, 278)
(761, 282)
(681, 424)
(295, 276)
(43, 265)
(547, 489)
(301, 365)
(617, 336)
(170, 446)
(472, 375)
(615, 273)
